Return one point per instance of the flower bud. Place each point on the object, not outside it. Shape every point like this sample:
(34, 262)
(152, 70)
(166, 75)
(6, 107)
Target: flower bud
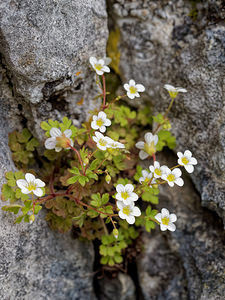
(86, 161)
(108, 178)
(115, 233)
(31, 219)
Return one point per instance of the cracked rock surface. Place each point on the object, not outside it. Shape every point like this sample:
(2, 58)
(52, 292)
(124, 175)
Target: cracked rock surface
(182, 43)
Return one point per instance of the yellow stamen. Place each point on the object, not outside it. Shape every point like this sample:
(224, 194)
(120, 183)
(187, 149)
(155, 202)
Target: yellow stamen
(102, 142)
(126, 210)
(150, 148)
(184, 160)
(98, 67)
(158, 172)
(124, 195)
(99, 122)
(133, 90)
(165, 221)
(31, 186)
(146, 180)
(173, 94)
(170, 177)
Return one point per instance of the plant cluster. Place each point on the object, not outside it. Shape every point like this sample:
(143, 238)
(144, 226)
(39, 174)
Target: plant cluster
(92, 181)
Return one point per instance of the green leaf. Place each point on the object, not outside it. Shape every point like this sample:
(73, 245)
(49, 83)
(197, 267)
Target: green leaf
(7, 193)
(32, 144)
(73, 179)
(19, 219)
(104, 260)
(148, 197)
(12, 208)
(118, 258)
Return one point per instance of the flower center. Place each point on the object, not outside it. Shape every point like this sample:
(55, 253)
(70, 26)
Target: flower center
(165, 221)
(126, 210)
(170, 177)
(124, 195)
(146, 179)
(133, 90)
(173, 94)
(158, 172)
(150, 148)
(185, 160)
(102, 142)
(63, 141)
(98, 67)
(99, 122)
(31, 186)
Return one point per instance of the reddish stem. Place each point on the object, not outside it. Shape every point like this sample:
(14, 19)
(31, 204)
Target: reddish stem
(79, 158)
(104, 92)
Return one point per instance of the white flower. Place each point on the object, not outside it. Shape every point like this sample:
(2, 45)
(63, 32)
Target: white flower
(100, 121)
(59, 139)
(116, 145)
(102, 141)
(157, 170)
(166, 220)
(100, 66)
(132, 89)
(146, 177)
(125, 193)
(31, 185)
(128, 212)
(187, 160)
(148, 147)
(172, 176)
(173, 91)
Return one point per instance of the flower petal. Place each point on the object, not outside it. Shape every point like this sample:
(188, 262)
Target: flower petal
(130, 219)
(179, 181)
(163, 227)
(25, 191)
(180, 154)
(169, 87)
(106, 69)
(94, 125)
(55, 132)
(134, 196)
(148, 137)
(173, 218)
(122, 215)
(92, 60)
(120, 188)
(132, 82)
(68, 133)
(129, 188)
(140, 87)
(193, 161)
(50, 143)
(39, 183)
(176, 172)
(182, 90)
(58, 149)
(158, 217)
(188, 154)
(140, 145)
(120, 204)
(102, 129)
(165, 212)
(131, 96)
(29, 177)
(107, 122)
(38, 192)
(143, 155)
(189, 168)
(171, 227)
(136, 212)
(126, 87)
(21, 183)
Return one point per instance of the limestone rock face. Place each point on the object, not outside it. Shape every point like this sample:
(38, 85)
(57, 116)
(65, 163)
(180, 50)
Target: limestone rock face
(182, 43)
(45, 44)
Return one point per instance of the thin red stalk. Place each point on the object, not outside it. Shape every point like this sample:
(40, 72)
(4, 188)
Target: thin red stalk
(79, 158)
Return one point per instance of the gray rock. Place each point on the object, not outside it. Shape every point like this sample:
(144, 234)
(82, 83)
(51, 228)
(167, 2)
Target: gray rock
(44, 45)
(190, 262)
(182, 43)
(121, 287)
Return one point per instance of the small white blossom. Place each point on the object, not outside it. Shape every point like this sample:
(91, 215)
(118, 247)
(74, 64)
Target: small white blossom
(133, 89)
(173, 91)
(146, 177)
(31, 185)
(148, 148)
(187, 160)
(125, 193)
(172, 176)
(102, 142)
(100, 122)
(157, 170)
(100, 66)
(166, 220)
(128, 212)
(59, 139)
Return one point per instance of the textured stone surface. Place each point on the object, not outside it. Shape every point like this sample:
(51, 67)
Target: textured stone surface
(190, 262)
(44, 45)
(121, 288)
(182, 43)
